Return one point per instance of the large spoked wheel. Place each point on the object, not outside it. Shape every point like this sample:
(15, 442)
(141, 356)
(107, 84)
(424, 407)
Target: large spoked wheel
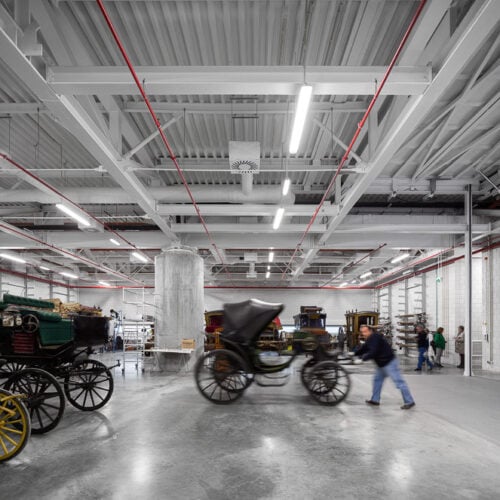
(221, 376)
(44, 397)
(89, 385)
(328, 383)
(9, 367)
(15, 426)
(305, 372)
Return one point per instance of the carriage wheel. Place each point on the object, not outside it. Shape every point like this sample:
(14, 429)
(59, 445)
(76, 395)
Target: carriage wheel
(14, 425)
(44, 397)
(10, 367)
(221, 376)
(89, 385)
(328, 383)
(30, 323)
(305, 373)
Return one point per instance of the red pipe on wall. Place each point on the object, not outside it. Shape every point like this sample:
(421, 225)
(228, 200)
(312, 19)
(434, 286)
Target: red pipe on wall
(158, 126)
(358, 130)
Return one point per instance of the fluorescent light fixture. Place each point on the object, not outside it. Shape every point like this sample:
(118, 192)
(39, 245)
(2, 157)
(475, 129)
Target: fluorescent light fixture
(69, 275)
(300, 117)
(267, 275)
(369, 273)
(277, 218)
(44, 268)
(343, 284)
(399, 258)
(268, 268)
(286, 186)
(271, 256)
(367, 282)
(82, 220)
(13, 258)
(140, 257)
(115, 242)
(408, 271)
(104, 283)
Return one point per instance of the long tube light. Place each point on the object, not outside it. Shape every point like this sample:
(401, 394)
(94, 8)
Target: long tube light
(69, 275)
(115, 242)
(278, 217)
(399, 258)
(82, 220)
(286, 186)
(104, 283)
(300, 117)
(140, 257)
(44, 268)
(363, 276)
(8, 256)
(343, 284)
(267, 275)
(271, 256)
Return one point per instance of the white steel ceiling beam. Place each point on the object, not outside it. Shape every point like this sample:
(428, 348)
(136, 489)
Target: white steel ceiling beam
(70, 114)
(234, 80)
(195, 108)
(418, 107)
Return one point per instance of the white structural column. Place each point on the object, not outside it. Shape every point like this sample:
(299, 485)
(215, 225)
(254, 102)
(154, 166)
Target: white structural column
(468, 283)
(180, 302)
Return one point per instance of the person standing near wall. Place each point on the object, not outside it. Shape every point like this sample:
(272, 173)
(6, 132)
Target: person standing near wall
(439, 344)
(423, 347)
(459, 345)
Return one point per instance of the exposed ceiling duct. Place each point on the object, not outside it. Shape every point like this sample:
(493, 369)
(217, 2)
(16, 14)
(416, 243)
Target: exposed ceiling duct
(171, 194)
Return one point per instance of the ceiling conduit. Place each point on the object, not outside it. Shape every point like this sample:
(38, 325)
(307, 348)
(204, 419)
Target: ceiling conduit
(347, 153)
(159, 127)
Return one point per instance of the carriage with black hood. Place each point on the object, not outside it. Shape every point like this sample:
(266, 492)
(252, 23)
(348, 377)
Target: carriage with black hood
(222, 375)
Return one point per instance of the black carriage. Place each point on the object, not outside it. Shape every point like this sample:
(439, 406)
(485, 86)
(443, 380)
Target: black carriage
(46, 358)
(222, 375)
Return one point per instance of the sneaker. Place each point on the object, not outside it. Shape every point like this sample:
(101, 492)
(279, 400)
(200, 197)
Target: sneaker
(373, 403)
(407, 406)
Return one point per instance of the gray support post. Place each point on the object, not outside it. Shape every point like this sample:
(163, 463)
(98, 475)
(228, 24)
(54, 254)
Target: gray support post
(468, 283)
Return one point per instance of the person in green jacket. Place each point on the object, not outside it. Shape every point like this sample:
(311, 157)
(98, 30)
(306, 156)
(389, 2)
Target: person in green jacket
(439, 345)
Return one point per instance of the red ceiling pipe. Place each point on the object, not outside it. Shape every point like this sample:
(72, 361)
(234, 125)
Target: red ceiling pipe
(34, 278)
(435, 266)
(358, 130)
(158, 126)
(352, 264)
(65, 198)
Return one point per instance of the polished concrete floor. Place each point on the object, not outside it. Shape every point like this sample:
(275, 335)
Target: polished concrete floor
(159, 439)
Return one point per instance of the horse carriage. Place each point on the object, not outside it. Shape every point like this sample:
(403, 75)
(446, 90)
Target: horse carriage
(223, 374)
(45, 359)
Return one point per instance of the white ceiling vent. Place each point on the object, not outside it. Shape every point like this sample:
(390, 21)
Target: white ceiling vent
(244, 157)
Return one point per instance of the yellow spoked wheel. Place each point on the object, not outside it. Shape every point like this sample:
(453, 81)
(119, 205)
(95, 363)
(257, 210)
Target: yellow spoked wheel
(15, 426)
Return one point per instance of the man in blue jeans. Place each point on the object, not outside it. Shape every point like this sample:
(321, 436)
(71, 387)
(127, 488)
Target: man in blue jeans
(423, 348)
(377, 348)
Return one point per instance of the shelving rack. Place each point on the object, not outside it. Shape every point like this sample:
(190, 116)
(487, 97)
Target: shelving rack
(406, 325)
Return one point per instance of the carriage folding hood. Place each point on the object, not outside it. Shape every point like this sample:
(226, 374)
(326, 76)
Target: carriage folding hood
(244, 321)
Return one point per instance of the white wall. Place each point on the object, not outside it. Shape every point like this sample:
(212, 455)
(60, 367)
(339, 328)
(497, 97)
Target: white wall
(335, 302)
(444, 300)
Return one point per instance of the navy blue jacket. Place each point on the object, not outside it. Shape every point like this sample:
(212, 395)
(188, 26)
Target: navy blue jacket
(376, 348)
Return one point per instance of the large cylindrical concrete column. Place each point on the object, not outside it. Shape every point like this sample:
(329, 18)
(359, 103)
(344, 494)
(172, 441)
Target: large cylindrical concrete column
(179, 299)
